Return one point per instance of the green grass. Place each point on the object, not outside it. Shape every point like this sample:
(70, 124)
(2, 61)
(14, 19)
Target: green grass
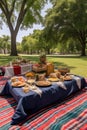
(77, 64)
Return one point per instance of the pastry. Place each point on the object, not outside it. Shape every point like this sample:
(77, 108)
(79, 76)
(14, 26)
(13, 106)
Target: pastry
(41, 77)
(26, 89)
(13, 79)
(53, 79)
(53, 75)
(43, 83)
(30, 74)
(18, 84)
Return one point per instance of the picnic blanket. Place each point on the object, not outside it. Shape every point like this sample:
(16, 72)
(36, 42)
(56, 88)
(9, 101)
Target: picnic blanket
(3, 80)
(71, 114)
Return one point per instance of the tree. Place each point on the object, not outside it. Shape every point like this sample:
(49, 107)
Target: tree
(5, 43)
(28, 44)
(42, 44)
(20, 14)
(68, 19)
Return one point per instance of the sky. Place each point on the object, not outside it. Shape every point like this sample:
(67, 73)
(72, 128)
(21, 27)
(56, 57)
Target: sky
(22, 33)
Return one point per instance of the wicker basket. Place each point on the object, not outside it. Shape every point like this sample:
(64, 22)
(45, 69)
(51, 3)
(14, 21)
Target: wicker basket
(63, 71)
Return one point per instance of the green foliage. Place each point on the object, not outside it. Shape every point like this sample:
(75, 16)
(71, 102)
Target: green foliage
(20, 14)
(67, 19)
(28, 44)
(37, 42)
(5, 44)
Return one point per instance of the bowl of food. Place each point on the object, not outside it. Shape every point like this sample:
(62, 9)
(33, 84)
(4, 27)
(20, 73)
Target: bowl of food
(63, 70)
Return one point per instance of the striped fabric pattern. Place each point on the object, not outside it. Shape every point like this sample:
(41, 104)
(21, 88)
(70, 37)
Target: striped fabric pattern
(3, 80)
(71, 114)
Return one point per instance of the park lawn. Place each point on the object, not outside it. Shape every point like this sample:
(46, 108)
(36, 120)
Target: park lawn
(77, 64)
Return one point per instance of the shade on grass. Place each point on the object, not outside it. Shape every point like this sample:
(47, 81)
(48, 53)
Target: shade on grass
(77, 64)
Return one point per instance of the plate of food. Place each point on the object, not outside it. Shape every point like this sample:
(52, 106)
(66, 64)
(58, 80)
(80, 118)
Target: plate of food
(66, 78)
(30, 74)
(17, 78)
(43, 83)
(18, 84)
(53, 79)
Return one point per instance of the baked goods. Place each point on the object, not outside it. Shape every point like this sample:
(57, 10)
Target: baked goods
(67, 78)
(58, 74)
(39, 68)
(31, 81)
(53, 75)
(63, 70)
(30, 74)
(40, 77)
(17, 81)
(43, 83)
(26, 89)
(13, 79)
(53, 79)
(18, 84)
(20, 78)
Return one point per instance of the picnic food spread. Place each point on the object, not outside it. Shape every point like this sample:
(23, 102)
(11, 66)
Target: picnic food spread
(38, 79)
(34, 91)
(32, 79)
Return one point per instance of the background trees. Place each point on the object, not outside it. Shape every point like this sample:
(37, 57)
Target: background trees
(65, 25)
(20, 14)
(36, 43)
(28, 44)
(4, 44)
(67, 19)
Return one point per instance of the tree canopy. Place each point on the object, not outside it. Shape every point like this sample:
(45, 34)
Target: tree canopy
(68, 19)
(20, 14)
(4, 44)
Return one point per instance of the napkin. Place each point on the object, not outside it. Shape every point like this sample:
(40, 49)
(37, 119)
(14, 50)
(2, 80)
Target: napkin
(78, 81)
(61, 84)
(36, 89)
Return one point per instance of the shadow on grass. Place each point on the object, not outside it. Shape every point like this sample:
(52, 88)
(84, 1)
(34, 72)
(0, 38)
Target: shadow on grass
(63, 56)
(4, 60)
(84, 58)
(58, 64)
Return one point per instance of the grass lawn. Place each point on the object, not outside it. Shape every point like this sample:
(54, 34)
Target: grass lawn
(77, 64)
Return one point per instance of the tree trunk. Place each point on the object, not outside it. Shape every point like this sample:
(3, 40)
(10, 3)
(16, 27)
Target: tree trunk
(83, 53)
(13, 44)
(31, 51)
(4, 51)
(48, 51)
(37, 52)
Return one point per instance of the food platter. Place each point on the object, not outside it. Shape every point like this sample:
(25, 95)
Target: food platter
(30, 74)
(43, 83)
(19, 78)
(53, 79)
(18, 84)
(67, 78)
(17, 81)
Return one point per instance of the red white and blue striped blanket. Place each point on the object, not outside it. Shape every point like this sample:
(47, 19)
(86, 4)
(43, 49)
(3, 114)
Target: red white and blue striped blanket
(71, 114)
